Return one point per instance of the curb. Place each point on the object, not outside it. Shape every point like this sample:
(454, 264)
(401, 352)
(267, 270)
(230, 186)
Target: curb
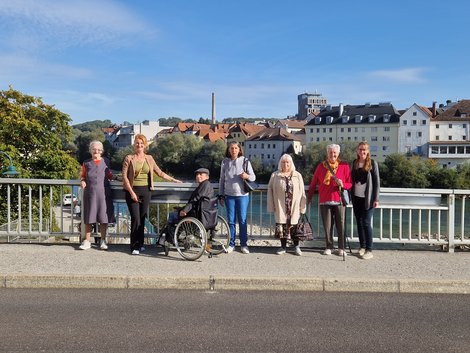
(234, 283)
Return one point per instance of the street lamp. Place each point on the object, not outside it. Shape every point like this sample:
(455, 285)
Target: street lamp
(11, 170)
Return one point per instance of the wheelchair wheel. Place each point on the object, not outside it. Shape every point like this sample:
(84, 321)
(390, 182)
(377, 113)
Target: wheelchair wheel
(190, 238)
(219, 237)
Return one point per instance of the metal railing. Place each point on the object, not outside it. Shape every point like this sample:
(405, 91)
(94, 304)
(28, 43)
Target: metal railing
(34, 212)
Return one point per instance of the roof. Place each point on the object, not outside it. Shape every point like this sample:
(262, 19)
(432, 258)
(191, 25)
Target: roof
(274, 134)
(458, 112)
(382, 113)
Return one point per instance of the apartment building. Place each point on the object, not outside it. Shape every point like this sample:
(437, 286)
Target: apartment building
(449, 135)
(270, 144)
(376, 123)
(413, 135)
(309, 103)
(124, 136)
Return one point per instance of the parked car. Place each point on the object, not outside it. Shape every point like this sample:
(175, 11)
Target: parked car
(68, 199)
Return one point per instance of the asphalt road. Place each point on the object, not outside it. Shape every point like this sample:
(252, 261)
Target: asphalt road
(111, 320)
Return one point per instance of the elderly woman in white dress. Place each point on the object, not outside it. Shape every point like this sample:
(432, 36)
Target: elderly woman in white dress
(286, 198)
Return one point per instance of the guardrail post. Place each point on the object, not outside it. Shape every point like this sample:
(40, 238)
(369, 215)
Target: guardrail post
(451, 221)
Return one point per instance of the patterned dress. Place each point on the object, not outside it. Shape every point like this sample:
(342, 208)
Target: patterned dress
(97, 195)
(286, 230)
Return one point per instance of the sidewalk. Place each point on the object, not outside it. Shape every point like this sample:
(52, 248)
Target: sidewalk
(64, 266)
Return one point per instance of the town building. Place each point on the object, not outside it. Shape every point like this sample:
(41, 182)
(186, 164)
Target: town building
(448, 135)
(376, 123)
(270, 144)
(413, 135)
(309, 103)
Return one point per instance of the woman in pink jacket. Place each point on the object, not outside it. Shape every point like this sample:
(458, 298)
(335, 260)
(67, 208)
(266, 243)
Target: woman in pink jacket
(286, 198)
(330, 177)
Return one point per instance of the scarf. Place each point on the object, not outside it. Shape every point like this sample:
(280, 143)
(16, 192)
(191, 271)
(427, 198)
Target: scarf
(328, 174)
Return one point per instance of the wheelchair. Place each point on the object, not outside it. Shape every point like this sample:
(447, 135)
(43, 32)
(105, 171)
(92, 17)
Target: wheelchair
(192, 236)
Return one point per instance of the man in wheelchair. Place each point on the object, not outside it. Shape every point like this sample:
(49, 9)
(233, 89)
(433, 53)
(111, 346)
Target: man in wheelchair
(201, 205)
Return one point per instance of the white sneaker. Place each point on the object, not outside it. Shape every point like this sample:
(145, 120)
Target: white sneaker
(367, 255)
(362, 251)
(103, 245)
(85, 245)
(298, 252)
(135, 252)
(230, 249)
(327, 252)
(245, 250)
(281, 251)
(341, 252)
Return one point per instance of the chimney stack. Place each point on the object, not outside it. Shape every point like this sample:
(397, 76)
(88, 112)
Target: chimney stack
(434, 111)
(213, 108)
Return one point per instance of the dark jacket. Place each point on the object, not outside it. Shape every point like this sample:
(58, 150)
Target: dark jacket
(372, 185)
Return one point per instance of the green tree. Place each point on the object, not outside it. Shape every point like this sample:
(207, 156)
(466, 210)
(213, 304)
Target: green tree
(35, 133)
(463, 178)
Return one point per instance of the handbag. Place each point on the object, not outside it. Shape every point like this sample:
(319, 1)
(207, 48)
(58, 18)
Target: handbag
(343, 193)
(345, 199)
(304, 230)
(249, 185)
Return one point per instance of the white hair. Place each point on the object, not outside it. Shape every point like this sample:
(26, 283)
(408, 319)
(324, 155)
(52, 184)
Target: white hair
(333, 146)
(289, 158)
(97, 143)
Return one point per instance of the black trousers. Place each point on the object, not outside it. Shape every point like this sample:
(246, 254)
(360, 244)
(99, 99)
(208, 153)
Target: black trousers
(139, 212)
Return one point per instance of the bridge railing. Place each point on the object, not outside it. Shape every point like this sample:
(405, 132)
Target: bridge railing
(34, 211)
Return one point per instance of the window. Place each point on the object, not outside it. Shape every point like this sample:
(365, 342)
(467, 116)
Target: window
(434, 149)
(419, 134)
(443, 149)
(342, 129)
(311, 131)
(437, 138)
(408, 134)
(373, 129)
(349, 129)
(450, 138)
(464, 137)
(318, 139)
(437, 126)
(460, 149)
(451, 149)
(384, 148)
(255, 145)
(405, 122)
(330, 129)
(450, 126)
(249, 145)
(423, 122)
(414, 113)
(269, 145)
(386, 138)
(464, 126)
(387, 128)
(414, 122)
(262, 145)
(373, 138)
(262, 155)
(318, 129)
(356, 129)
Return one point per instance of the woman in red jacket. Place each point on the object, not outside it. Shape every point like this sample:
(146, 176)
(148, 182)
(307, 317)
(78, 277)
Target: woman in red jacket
(330, 177)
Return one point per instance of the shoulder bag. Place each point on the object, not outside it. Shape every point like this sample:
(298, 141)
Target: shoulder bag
(249, 185)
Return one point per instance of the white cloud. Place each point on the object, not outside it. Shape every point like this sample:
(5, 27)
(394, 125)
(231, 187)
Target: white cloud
(18, 67)
(406, 75)
(72, 22)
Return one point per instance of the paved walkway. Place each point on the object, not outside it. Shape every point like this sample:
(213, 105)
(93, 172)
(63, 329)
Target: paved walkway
(65, 266)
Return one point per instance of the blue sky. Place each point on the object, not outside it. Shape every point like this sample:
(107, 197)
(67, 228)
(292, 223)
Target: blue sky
(148, 59)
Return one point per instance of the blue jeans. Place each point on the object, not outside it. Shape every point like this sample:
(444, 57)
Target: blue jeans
(364, 222)
(237, 206)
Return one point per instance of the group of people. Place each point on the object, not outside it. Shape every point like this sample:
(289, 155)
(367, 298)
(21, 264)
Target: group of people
(286, 196)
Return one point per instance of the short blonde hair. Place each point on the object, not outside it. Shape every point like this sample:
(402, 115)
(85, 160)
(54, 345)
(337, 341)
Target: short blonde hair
(143, 138)
(288, 157)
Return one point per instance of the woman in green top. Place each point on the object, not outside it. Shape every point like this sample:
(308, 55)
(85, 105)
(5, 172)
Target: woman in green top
(137, 175)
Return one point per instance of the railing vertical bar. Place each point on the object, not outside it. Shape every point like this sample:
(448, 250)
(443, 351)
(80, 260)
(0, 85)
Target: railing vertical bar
(391, 225)
(429, 225)
(410, 215)
(419, 224)
(381, 224)
(462, 219)
(451, 222)
(40, 210)
(30, 208)
(400, 224)
(19, 209)
(438, 225)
